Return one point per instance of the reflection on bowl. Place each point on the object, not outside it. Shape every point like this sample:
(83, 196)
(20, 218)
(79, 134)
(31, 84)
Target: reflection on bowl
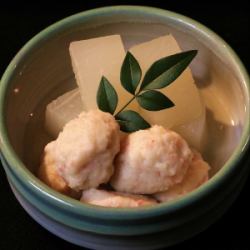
(41, 71)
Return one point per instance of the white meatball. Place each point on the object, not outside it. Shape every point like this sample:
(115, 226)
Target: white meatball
(151, 161)
(48, 174)
(196, 175)
(84, 151)
(115, 199)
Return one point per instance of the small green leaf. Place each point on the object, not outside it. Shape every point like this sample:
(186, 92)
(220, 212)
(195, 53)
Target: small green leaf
(153, 100)
(106, 96)
(164, 71)
(131, 121)
(130, 73)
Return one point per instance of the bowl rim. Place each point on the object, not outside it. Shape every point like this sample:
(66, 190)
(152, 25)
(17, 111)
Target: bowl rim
(16, 165)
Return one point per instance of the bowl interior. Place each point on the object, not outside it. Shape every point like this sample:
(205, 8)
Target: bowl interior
(45, 73)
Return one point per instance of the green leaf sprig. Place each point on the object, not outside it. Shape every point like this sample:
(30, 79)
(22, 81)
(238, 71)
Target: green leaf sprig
(159, 75)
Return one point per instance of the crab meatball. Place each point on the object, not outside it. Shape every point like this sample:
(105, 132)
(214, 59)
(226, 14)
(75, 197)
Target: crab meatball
(115, 199)
(196, 175)
(84, 151)
(151, 161)
(48, 174)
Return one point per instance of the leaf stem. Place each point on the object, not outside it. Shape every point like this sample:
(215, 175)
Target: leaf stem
(126, 105)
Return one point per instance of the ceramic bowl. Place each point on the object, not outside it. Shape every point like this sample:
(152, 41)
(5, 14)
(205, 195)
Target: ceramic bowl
(42, 71)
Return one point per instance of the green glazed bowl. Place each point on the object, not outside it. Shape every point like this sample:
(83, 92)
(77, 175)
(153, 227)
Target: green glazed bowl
(41, 71)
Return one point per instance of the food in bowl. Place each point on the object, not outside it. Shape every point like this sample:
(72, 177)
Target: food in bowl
(153, 164)
(151, 161)
(115, 199)
(45, 62)
(196, 175)
(83, 153)
(187, 116)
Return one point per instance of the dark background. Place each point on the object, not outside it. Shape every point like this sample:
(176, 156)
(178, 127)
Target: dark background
(19, 21)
